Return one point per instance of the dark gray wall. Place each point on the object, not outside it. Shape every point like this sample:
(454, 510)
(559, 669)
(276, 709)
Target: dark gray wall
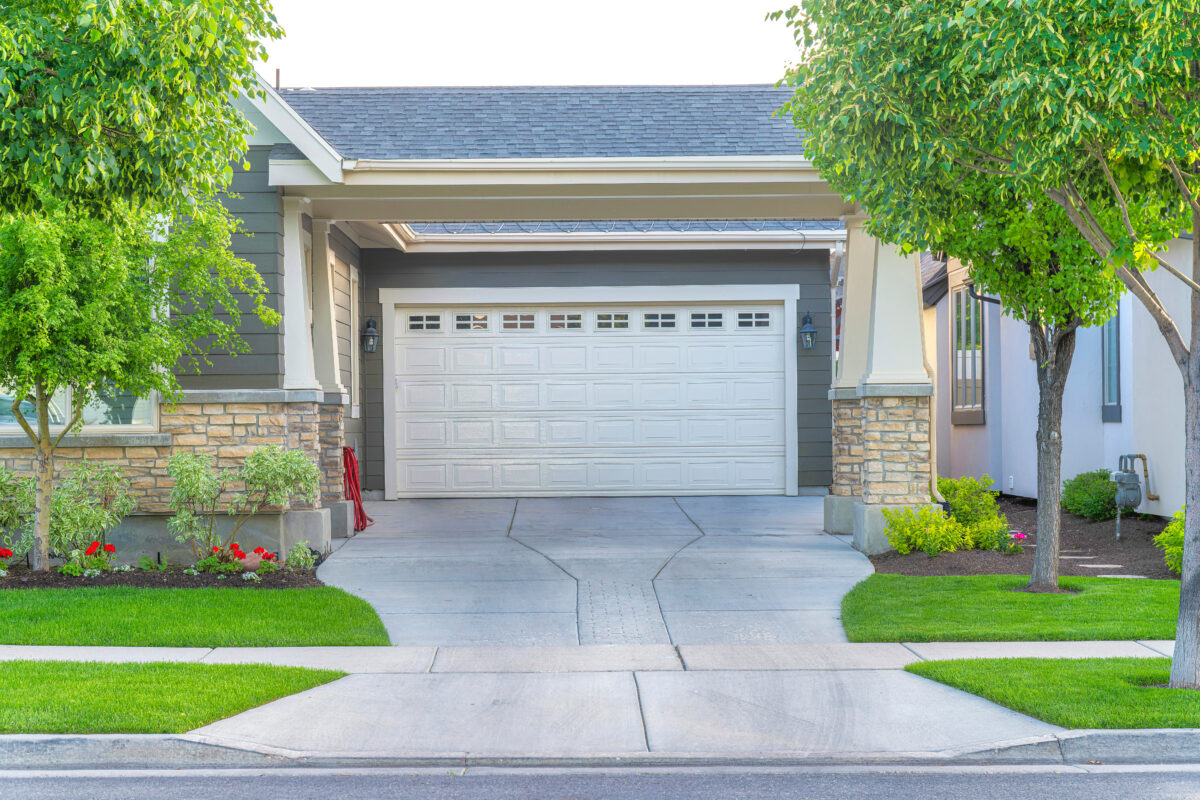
(260, 208)
(347, 256)
(390, 269)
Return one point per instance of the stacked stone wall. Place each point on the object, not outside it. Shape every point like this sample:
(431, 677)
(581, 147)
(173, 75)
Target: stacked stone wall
(230, 431)
(895, 443)
(847, 448)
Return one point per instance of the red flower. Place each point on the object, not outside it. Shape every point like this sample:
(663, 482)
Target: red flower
(239, 554)
(260, 550)
(216, 549)
(234, 546)
(5, 552)
(92, 548)
(110, 548)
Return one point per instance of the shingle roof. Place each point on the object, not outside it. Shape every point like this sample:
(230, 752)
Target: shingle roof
(547, 121)
(628, 226)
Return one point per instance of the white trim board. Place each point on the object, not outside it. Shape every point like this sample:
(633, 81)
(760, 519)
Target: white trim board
(786, 294)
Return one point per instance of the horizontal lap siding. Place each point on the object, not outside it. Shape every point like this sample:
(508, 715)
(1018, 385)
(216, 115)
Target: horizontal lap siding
(260, 209)
(347, 260)
(390, 269)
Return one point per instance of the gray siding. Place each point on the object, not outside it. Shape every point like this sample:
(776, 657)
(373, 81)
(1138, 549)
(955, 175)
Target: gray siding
(260, 208)
(390, 269)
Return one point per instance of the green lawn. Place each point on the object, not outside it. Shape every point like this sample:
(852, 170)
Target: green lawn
(78, 697)
(1075, 693)
(902, 608)
(188, 617)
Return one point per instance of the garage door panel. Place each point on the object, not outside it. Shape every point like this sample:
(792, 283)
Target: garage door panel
(592, 409)
(643, 430)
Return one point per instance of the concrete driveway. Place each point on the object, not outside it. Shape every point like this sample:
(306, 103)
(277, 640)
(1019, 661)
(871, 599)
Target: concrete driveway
(600, 571)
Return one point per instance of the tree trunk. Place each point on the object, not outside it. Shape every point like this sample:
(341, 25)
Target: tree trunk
(1054, 350)
(1185, 665)
(43, 478)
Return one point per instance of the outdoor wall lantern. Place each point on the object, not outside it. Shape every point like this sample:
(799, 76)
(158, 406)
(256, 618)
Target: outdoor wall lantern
(370, 337)
(808, 333)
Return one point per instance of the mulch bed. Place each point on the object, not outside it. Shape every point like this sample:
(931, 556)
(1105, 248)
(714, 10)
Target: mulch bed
(20, 578)
(1135, 553)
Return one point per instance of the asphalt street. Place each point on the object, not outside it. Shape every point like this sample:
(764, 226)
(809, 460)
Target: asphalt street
(1014, 783)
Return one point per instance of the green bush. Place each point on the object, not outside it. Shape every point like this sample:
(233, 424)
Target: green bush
(1170, 541)
(925, 528)
(16, 516)
(973, 505)
(1091, 495)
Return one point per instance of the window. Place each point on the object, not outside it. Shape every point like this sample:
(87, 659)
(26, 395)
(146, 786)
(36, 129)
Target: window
(754, 319)
(608, 322)
(658, 320)
(470, 322)
(708, 319)
(518, 322)
(424, 322)
(966, 355)
(1110, 344)
(107, 411)
(566, 322)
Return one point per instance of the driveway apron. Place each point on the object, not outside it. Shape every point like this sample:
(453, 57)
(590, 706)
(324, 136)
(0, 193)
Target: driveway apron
(600, 571)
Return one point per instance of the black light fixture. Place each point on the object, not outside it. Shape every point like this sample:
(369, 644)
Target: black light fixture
(808, 333)
(370, 337)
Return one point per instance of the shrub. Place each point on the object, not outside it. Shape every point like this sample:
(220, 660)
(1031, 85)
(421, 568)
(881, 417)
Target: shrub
(991, 533)
(89, 501)
(272, 477)
(16, 516)
(1170, 541)
(1091, 495)
(971, 499)
(300, 557)
(925, 528)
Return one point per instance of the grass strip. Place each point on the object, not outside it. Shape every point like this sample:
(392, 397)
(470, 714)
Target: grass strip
(136, 617)
(904, 608)
(1075, 693)
(88, 697)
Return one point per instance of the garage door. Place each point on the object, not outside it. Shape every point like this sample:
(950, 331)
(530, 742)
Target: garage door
(603, 400)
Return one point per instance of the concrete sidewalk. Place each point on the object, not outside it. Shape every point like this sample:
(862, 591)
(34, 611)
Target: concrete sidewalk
(620, 704)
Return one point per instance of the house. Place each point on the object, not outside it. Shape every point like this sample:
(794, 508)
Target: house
(1124, 394)
(577, 291)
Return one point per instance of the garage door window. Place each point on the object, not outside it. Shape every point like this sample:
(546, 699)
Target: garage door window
(754, 319)
(518, 322)
(659, 321)
(566, 322)
(471, 322)
(424, 322)
(708, 319)
(612, 322)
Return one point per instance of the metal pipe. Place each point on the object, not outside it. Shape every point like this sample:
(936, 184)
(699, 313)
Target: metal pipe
(1145, 473)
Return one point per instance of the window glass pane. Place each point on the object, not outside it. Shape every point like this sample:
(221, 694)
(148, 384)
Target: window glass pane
(118, 408)
(658, 320)
(967, 350)
(517, 322)
(1111, 341)
(59, 409)
(707, 320)
(612, 321)
(566, 321)
(471, 322)
(424, 322)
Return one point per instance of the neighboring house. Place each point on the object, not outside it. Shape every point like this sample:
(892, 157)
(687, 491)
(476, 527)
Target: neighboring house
(1124, 394)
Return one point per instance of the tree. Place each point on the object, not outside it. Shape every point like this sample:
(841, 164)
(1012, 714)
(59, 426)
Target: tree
(117, 130)
(1094, 106)
(127, 100)
(111, 305)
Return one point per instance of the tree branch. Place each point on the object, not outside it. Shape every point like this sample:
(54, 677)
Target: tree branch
(76, 413)
(20, 417)
(1181, 182)
(1116, 190)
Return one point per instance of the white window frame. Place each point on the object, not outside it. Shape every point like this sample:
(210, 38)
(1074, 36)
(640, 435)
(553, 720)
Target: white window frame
(971, 331)
(675, 320)
(737, 320)
(784, 293)
(692, 313)
(612, 326)
(488, 315)
(1110, 363)
(152, 426)
(581, 328)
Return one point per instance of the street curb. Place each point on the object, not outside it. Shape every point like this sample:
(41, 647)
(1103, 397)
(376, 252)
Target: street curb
(148, 751)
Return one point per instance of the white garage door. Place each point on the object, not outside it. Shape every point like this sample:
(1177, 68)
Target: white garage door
(603, 400)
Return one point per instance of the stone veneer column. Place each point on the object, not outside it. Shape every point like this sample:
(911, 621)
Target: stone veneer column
(332, 435)
(895, 446)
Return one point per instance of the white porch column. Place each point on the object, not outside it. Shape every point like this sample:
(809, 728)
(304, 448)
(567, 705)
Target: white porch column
(324, 327)
(858, 281)
(895, 395)
(298, 372)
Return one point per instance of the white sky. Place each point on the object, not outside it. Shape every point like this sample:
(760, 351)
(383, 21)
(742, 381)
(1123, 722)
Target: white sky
(514, 42)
